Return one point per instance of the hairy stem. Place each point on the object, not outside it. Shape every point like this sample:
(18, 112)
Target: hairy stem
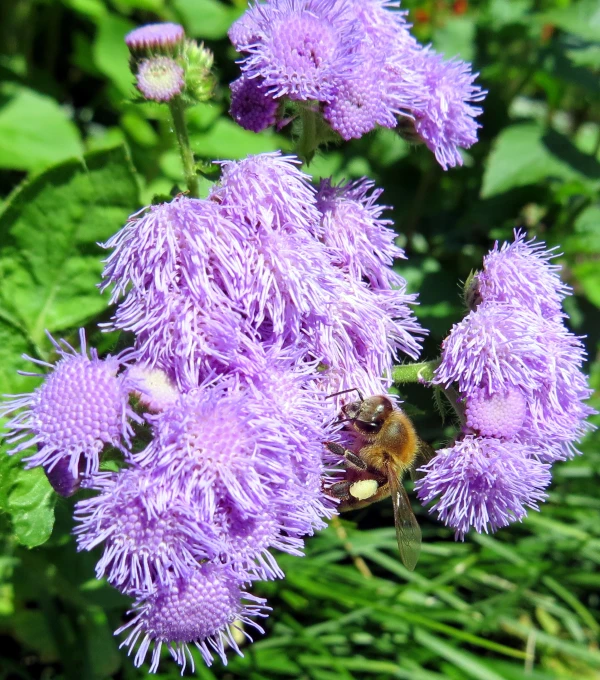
(187, 155)
(421, 372)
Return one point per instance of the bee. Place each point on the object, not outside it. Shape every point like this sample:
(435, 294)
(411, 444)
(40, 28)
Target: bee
(389, 447)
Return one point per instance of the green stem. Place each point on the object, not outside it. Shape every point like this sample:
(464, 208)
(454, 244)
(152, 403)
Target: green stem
(187, 155)
(415, 373)
(307, 144)
(452, 396)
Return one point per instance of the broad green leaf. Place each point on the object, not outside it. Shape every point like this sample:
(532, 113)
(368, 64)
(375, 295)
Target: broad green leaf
(35, 131)
(13, 343)
(581, 18)
(31, 506)
(501, 13)
(32, 629)
(102, 646)
(588, 277)
(207, 19)
(456, 38)
(227, 140)
(526, 154)
(110, 53)
(49, 261)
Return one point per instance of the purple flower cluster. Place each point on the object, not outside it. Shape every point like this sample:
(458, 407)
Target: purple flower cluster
(248, 309)
(517, 370)
(356, 62)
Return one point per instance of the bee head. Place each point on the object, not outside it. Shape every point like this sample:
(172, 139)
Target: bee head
(368, 415)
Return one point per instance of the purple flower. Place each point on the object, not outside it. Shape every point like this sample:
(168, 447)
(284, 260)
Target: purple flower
(385, 83)
(151, 536)
(155, 38)
(268, 186)
(82, 406)
(445, 119)
(522, 273)
(498, 347)
(245, 541)
(359, 242)
(251, 107)
(496, 415)
(223, 445)
(299, 48)
(200, 610)
(557, 412)
(483, 483)
(160, 79)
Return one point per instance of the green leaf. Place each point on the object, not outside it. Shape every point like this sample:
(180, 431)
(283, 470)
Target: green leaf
(206, 18)
(526, 154)
(456, 38)
(31, 506)
(13, 343)
(588, 277)
(225, 139)
(581, 18)
(110, 53)
(103, 654)
(469, 663)
(35, 131)
(49, 261)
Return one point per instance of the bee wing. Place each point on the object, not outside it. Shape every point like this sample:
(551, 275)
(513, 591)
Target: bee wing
(425, 453)
(408, 532)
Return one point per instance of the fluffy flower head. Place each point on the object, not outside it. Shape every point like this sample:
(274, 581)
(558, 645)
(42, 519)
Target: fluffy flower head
(446, 119)
(82, 406)
(484, 483)
(522, 273)
(198, 610)
(151, 536)
(299, 48)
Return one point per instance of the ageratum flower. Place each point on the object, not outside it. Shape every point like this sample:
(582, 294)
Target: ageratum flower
(358, 240)
(208, 283)
(225, 446)
(81, 407)
(200, 609)
(151, 536)
(496, 415)
(522, 273)
(300, 49)
(445, 120)
(268, 183)
(484, 483)
(497, 347)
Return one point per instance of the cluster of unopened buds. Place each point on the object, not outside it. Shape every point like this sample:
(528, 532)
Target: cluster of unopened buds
(203, 442)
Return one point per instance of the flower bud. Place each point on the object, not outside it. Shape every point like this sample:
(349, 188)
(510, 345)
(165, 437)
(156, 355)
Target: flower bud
(155, 39)
(160, 79)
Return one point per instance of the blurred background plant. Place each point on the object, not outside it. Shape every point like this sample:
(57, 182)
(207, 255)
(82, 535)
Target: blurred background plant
(524, 603)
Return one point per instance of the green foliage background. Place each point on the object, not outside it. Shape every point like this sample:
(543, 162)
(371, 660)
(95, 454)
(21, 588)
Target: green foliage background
(76, 158)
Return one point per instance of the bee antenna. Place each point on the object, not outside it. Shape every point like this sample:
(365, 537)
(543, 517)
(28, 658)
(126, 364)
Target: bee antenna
(351, 389)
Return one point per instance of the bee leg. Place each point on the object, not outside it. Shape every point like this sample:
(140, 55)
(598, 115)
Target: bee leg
(352, 459)
(339, 490)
